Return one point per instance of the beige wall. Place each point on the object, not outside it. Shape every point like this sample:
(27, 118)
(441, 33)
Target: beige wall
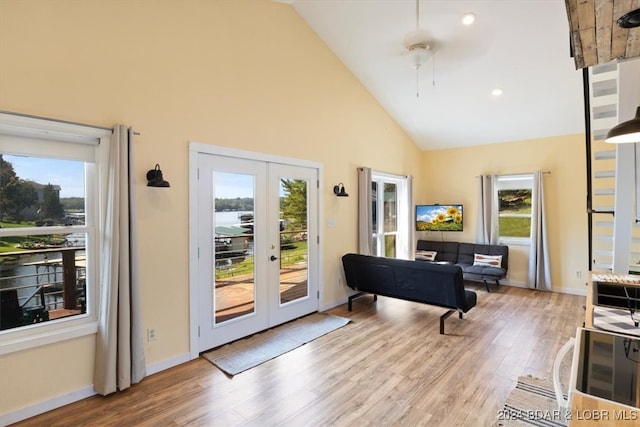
(245, 74)
(451, 177)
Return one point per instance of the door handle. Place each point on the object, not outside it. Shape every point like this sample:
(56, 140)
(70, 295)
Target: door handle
(273, 258)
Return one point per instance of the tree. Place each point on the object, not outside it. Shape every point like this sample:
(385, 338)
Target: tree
(51, 206)
(237, 204)
(15, 194)
(294, 203)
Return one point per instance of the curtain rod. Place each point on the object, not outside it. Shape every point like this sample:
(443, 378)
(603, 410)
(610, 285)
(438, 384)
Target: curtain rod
(518, 174)
(67, 122)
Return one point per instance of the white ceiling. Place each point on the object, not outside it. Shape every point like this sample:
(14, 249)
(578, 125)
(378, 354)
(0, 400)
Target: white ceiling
(520, 46)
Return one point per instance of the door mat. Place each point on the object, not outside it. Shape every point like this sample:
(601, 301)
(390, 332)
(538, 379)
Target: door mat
(252, 351)
(531, 403)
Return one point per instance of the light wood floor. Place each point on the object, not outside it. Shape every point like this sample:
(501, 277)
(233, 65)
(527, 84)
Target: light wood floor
(389, 366)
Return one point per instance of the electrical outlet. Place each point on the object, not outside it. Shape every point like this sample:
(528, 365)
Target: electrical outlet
(151, 334)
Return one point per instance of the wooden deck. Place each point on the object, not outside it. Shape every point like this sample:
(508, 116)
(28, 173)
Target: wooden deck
(236, 294)
(62, 312)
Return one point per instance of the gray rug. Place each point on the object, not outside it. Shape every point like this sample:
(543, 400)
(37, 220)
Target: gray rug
(614, 320)
(252, 351)
(531, 403)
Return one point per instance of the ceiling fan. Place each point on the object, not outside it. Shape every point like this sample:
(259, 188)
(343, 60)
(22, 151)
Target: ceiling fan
(417, 44)
(420, 46)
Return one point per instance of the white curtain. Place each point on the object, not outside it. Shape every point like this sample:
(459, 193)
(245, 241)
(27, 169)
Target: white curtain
(487, 227)
(119, 359)
(637, 194)
(365, 217)
(411, 253)
(539, 270)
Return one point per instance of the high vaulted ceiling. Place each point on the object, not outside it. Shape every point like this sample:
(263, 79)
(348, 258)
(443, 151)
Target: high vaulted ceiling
(519, 46)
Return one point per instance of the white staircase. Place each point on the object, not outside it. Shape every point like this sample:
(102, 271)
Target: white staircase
(604, 115)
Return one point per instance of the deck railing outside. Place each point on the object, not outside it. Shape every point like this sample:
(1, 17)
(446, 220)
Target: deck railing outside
(41, 284)
(233, 259)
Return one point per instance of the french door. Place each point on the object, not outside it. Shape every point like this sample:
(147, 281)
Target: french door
(391, 215)
(257, 228)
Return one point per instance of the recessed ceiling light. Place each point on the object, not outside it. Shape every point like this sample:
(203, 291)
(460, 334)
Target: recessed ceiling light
(468, 18)
(496, 92)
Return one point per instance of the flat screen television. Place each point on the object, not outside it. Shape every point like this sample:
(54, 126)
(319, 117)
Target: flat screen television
(439, 217)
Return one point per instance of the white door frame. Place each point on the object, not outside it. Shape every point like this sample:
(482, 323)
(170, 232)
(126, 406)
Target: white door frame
(196, 148)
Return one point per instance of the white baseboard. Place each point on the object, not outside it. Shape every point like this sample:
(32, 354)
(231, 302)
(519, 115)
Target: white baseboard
(333, 304)
(513, 283)
(80, 394)
(524, 285)
(46, 405)
(168, 363)
(572, 291)
(569, 291)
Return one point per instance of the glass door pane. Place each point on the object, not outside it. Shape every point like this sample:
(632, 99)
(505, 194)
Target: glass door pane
(256, 267)
(390, 212)
(390, 207)
(374, 219)
(235, 287)
(294, 275)
(293, 242)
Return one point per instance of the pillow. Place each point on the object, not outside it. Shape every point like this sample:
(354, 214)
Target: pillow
(427, 255)
(487, 260)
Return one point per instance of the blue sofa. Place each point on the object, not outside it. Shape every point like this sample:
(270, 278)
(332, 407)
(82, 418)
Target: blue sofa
(440, 285)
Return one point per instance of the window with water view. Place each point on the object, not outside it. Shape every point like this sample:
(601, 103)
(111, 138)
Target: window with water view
(43, 240)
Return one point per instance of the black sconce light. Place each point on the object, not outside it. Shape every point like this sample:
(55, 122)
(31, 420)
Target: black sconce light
(155, 179)
(338, 190)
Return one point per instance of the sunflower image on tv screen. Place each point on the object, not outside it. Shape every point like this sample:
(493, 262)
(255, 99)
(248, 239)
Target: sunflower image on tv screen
(439, 217)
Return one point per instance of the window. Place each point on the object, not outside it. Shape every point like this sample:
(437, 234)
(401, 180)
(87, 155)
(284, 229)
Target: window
(49, 230)
(515, 196)
(390, 213)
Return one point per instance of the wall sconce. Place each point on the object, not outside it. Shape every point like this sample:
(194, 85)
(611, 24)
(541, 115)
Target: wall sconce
(155, 179)
(628, 131)
(338, 190)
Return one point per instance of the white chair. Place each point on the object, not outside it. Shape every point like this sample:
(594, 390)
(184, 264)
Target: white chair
(563, 404)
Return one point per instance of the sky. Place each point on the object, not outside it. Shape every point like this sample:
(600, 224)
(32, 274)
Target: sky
(68, 174)
(233, 185)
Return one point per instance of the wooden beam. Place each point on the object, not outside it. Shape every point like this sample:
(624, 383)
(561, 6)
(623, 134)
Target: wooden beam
(587, 31)
(604, 16)
(586, 15)
(633, 45)
(572, 14)
(589, 51)
(577, 50)
(574, 35)
(595, 36)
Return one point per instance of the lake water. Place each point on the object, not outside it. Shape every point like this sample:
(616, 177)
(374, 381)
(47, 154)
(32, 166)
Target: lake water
(226, 219)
